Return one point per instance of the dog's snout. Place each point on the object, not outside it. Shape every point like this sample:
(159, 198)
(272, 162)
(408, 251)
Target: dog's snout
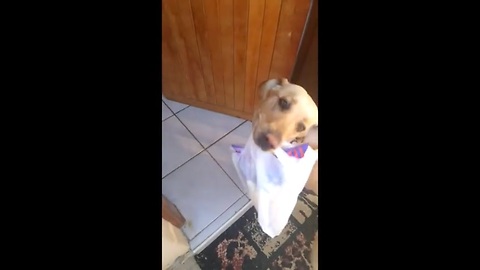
(267, 141)
(262, 142)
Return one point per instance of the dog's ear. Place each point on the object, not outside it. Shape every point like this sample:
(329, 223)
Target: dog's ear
(271, 85)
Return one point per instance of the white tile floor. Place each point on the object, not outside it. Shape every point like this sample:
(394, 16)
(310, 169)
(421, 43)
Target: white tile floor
(197, 172)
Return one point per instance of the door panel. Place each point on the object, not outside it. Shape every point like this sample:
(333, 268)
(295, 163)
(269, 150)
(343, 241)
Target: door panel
(305, 72)
(215, 53)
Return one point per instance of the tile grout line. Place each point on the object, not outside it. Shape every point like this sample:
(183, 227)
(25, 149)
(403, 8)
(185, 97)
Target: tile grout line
(168, 118)
(179, 166)
(174, 113)
(163, 102)
(231, 179)
(181, 110)
(241, 190)
(225, 135)
(220, 215)
(204, 148)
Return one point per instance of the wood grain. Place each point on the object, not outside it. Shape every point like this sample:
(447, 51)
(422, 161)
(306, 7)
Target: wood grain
(293, 16)
(225, 21)
(305, 72)
(215, 53)
(255, 25)
(172, 58)
(169, 70)
(240, 20)
(210, 8)
(213, 108)
(267, 44)
(184, 16)
(310, 32)
(200, 28)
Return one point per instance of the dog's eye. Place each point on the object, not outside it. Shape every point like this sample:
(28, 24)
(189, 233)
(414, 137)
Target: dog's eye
(284, 104)
(300, 127)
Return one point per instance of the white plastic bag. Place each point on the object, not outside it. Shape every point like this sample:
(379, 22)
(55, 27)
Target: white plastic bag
(273, 181)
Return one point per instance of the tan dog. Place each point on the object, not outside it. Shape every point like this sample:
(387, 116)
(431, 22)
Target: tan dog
(287, 113)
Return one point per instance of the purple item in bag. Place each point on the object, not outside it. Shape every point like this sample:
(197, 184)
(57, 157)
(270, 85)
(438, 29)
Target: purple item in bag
(297, 151)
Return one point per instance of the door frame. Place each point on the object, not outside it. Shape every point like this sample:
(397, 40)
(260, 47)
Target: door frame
(310, 30)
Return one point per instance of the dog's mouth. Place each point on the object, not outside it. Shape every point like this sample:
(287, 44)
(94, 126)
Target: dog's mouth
(268, 141)
(297, 140)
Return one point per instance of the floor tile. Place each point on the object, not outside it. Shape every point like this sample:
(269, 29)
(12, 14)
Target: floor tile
(222, 223)
(173, 105)
(223, 155)
(207, 126)
(201, 191)
(165, 112)
(178, 145)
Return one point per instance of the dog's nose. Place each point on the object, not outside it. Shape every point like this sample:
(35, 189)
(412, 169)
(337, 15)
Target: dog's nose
(267, 141)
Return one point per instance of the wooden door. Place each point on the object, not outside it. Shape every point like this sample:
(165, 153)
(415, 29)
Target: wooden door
(215, 53)
(305, 72)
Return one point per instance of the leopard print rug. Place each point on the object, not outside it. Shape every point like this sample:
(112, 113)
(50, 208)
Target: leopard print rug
(245, 246)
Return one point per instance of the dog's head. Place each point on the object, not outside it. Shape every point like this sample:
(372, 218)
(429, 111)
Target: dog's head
(285, 112)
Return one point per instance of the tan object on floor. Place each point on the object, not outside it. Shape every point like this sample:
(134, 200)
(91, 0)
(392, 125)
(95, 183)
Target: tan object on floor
(174, 244)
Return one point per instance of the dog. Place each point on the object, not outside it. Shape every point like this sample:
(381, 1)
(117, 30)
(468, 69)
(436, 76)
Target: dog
(287, 113)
